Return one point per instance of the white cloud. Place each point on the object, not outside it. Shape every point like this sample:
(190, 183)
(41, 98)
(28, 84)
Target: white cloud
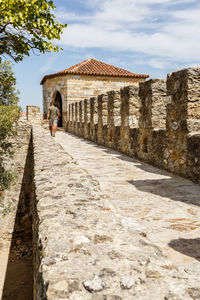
(48, 64)
(152, 27)
(158, 63)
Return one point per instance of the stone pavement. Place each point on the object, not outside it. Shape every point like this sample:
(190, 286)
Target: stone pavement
(150, 218)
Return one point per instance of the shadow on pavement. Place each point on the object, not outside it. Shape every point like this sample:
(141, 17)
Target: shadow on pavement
(189, 247)
(175, 189)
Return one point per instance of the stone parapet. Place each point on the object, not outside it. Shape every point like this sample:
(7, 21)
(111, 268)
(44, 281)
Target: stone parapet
(153, 121)
(75, 88)
(33, 114)
(183, 118)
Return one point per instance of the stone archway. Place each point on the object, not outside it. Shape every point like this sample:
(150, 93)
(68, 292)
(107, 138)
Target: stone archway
(58, 104)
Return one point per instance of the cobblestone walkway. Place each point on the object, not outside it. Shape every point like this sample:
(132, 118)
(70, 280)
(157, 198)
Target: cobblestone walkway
(161, 207)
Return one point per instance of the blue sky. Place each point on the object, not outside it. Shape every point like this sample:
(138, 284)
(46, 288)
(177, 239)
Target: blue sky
(143, 36)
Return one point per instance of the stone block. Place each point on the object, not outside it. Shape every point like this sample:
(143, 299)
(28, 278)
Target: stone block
(153, 104)
(102, 116)
(73, 118)
(129, 115)
(152, 120)
(76, 129)
(33, 114)
(114, 115)
(86, 118)
(93, 116)
(81, 118)
(69, 117)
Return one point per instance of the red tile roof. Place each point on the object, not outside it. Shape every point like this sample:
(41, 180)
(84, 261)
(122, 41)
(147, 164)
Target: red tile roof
(95, 67)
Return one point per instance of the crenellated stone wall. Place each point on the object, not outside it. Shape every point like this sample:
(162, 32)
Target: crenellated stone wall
(75, 88)
(158, 122)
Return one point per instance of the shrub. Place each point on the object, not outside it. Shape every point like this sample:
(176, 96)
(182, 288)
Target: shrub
(9, 114)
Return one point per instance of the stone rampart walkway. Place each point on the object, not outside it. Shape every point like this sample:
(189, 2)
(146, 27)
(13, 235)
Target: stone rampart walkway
(156, 215)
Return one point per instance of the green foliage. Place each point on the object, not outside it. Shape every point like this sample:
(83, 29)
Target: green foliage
(8, 93)
(27, 25)
(9, 114)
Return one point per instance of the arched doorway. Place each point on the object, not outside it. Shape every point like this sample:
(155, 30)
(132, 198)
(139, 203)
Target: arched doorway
(58, 104)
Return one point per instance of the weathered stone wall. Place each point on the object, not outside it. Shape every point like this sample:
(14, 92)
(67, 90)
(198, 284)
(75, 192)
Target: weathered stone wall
(80, 87)
(157, 122)
(33, 114)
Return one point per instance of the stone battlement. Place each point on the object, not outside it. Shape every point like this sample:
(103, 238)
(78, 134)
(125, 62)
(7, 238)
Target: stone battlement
(158, 122)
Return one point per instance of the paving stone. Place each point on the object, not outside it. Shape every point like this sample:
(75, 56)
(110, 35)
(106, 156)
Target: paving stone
(94, 285)
(127, 282)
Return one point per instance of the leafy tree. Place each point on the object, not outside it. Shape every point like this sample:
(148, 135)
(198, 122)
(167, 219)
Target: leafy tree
(9, 114)
(27, 25)
(8, 93)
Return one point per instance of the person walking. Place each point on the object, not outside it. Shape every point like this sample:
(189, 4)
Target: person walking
(53, 117)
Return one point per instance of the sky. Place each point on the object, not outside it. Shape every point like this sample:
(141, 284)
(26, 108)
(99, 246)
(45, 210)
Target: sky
(152, 37)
